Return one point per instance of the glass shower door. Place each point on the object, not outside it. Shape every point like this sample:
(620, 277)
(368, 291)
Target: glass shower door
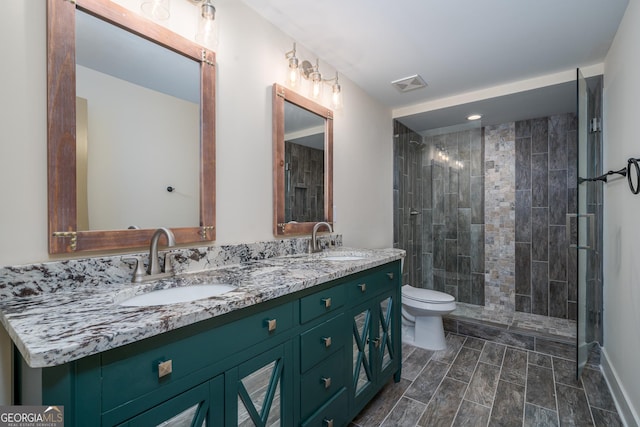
(587, 243)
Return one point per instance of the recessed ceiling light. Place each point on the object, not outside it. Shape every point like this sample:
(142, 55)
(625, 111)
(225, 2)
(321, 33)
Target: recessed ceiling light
(474, 117)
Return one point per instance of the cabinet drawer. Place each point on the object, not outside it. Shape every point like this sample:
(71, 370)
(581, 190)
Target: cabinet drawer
(321, 303)
(323, 340)
(372, 284)
(139, 368)
(322, 382)
(333, 414)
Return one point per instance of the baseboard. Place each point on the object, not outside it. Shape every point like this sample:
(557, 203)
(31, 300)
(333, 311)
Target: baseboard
(628, 413)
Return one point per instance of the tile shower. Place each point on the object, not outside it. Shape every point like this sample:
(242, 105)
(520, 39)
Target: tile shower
(481, 212)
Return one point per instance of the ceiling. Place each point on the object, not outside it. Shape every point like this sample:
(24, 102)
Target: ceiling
(455, 46)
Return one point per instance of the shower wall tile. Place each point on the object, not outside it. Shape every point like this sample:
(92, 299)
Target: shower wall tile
(539, 136)
(477, 248)
(439, 249)
(477, 200)
(539, 180)
(477, 152)
(523, 303)
(523, 216)
(427, 230)
(451, 214)
(558, 299)
(558, 193)
(523, 163)
(477, 288)
(540, 229)
(523, 128)
(523, 268)
(558, 142)
(439, 279)
(557, 253)
(539, 288)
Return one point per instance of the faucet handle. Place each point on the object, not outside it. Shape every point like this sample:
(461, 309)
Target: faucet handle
(169, 258)
(139, 271)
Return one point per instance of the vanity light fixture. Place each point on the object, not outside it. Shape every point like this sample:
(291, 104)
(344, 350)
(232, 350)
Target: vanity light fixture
(207, 32)
(474, 117)
(304, 69)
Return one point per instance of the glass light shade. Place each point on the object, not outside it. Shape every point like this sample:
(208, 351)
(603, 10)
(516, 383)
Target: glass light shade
(336, 97)
(293, 77)
(207, 34)
(156, 9)
(316, 85)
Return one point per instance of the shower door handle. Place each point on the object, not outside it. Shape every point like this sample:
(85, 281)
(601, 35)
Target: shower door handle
(592, 230)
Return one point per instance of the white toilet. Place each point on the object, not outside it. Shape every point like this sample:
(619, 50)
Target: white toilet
(422, 311)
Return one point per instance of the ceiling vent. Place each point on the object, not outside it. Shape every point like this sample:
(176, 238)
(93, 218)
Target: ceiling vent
(409, 83)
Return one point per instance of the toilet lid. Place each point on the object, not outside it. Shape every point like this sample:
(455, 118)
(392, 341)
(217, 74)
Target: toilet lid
(426, 295)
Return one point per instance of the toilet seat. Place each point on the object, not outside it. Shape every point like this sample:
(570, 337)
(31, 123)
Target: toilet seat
(426, 295)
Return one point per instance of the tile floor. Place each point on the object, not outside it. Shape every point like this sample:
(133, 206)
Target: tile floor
(475, 382)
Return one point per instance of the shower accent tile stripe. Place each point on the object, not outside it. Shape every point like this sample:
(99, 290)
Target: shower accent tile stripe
(499, 214)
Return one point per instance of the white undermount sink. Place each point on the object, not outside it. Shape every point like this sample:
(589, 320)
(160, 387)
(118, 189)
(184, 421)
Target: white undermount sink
(176, 295)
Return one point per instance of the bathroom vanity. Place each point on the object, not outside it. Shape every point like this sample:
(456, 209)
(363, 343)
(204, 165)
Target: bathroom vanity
(304, 339)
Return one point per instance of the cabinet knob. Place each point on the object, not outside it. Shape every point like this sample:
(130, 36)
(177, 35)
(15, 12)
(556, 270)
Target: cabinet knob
(326, 381)
(363, 287)
(390, 276)
(271, 325)
(327, 302)
(327, 341)
(327, 422)
(165, 368)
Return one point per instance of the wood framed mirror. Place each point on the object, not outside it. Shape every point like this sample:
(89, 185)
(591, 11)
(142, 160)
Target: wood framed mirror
(141, 149)
(302, 163)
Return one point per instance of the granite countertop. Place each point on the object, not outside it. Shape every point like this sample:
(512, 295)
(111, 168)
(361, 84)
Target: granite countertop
(62, 324)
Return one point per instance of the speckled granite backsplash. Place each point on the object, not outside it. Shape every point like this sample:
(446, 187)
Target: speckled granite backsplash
(34, 279)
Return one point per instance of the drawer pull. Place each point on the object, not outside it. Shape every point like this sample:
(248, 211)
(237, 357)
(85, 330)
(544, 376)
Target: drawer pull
(327, 422)
(326, 382)
(271, 325)
(165, 368)
(327, 302)
(363, 287)
(376, 342)
(390, 276)
(327, 341)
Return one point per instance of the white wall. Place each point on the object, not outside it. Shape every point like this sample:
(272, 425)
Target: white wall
(621, 360)
(250, 59)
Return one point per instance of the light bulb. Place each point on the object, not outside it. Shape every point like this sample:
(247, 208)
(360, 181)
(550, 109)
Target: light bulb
(294, 72)
(336, 97)
(207, 33)
(156, 9)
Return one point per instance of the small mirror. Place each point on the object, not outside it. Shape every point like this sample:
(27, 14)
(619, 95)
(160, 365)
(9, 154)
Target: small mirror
(131, 130)
(303, 163)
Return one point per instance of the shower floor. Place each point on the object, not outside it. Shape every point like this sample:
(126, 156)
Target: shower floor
(522, 323)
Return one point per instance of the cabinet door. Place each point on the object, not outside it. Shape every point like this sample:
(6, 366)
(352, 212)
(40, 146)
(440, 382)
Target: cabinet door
(258, 388)
(363, 355)
(193, 408)
(384, 337)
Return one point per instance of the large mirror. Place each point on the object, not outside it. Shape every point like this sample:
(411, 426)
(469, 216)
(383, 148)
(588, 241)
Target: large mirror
(302, 163)
(131, 135)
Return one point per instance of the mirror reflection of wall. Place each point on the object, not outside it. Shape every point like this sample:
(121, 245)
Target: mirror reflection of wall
(143, 130)
(304, 165)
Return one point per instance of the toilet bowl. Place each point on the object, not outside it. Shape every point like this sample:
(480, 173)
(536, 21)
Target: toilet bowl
(422, 311)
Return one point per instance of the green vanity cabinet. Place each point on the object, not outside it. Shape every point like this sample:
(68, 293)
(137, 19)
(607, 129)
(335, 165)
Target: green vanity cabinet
(310, 358)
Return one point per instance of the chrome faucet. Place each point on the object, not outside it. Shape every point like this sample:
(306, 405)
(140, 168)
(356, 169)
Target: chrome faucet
(313, 244)
(154, 264)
